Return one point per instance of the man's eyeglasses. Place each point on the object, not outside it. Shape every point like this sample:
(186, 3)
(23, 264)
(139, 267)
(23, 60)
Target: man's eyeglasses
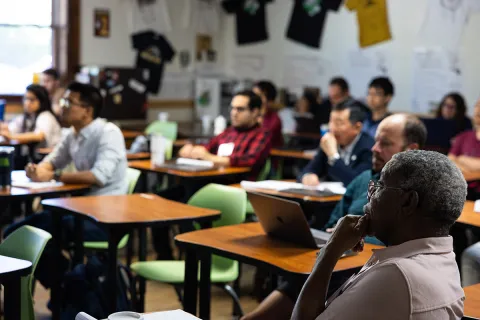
(373, 186)
(67, 104)
(238, 109)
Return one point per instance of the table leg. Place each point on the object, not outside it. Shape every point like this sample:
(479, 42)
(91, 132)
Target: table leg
(191, 282)
(55, 294)
(13, 308)
(114, 237)
(205, 281)
(142, 256)
(79, 250)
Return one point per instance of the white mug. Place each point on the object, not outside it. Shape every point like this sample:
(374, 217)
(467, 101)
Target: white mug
(125, 315)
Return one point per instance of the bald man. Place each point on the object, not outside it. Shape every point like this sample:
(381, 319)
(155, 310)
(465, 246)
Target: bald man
(396, 133)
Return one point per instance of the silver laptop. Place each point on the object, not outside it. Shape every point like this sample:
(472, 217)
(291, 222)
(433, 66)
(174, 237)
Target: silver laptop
(285, 220)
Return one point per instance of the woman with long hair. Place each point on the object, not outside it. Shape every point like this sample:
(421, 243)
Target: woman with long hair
(37, 124)
(453, 107)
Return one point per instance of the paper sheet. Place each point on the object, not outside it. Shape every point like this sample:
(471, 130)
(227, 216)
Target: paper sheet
(20, 180)
(303, 71)
(435, 73)
(476, 207)
(335, 187)
(169, 315)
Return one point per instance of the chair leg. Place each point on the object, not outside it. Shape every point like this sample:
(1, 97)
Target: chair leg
(237, 307)
(130, 248)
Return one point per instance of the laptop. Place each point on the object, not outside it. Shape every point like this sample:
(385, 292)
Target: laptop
(285, 220)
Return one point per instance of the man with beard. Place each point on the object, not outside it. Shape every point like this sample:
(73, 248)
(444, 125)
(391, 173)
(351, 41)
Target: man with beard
(395, 134)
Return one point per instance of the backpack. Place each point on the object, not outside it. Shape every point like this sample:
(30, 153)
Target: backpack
(84, 289)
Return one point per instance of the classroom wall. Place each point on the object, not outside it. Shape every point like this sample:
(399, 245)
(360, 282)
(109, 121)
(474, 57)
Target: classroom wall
(116, 50)
(340, 35)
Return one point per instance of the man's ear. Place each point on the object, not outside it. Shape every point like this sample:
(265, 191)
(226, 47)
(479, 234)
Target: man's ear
(389, 98)
(409, 202)
(412, 146)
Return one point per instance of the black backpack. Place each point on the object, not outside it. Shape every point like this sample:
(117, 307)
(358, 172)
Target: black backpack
(84, 289)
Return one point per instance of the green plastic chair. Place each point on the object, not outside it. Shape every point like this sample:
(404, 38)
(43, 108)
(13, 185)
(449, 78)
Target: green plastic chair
(26, 243)
(167, 129)
(262, 176)
(232, 204)
(132, 176)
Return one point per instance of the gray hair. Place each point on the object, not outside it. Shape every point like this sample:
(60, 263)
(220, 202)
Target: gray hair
(441, 187)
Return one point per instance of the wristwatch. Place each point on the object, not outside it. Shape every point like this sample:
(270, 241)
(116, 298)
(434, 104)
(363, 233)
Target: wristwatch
(333, 159)
(57, 174)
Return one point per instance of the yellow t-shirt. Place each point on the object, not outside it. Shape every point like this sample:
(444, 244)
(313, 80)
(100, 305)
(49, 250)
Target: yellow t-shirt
(372, 20)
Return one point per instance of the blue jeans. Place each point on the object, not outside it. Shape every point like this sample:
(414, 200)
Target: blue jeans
(91, 232)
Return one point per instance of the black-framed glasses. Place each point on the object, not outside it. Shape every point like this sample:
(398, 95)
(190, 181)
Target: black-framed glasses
(373, 186)
(67, 104)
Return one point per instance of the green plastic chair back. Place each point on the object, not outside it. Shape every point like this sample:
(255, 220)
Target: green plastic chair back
(263, 175)
(132, 177)
(166, 129)
(26, 243)
(231, 202)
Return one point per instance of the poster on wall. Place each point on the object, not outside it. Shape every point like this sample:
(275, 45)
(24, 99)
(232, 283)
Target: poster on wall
(362, 66)
(101, 23)
(207, 97)
(300, 72)
(436, 72)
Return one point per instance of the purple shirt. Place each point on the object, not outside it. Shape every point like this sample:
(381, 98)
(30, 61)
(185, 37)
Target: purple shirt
(466, 144)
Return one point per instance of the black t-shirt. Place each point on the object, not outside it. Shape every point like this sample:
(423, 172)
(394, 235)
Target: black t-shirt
(308, 19)
(153, 51)
(251, 20)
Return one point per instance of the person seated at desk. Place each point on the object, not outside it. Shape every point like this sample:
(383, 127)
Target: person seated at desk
(380, 93)
(344, 151)
(411, 210)
(269, 116)
(465, 152)
(97, 148)
(396, 133)
(244, 144)
(453, 107)
(50, 80)
(306, 113)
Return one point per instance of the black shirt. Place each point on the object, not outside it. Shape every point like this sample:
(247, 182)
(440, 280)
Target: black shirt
(153, 51)
(251, 21)
(307, 20)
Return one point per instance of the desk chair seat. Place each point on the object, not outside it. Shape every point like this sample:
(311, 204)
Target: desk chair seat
(26, 243)
(231, 202)
(132, 177)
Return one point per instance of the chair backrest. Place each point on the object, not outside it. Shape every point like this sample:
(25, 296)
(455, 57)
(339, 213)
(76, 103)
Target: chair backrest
(132, 177)
(263, 175)
(26, 243)
(231, 202)
(166, 129)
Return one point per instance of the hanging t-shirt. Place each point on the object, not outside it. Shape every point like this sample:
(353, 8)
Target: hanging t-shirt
(307, 20)
(151, 16)
(372, 19)
(444, 22)
(251, 20)
(153, 51)
(203, 15)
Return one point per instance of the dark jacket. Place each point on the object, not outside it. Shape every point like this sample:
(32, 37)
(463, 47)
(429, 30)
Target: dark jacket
(360, 160)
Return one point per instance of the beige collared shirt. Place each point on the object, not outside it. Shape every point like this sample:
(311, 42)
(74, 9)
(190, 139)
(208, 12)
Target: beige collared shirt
(418, 279)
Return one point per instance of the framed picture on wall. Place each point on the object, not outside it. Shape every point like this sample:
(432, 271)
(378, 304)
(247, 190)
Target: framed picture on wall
(101, 23)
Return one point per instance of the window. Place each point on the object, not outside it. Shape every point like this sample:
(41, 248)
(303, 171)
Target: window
(26, 35)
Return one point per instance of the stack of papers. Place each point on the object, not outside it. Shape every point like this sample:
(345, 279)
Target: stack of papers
(20, 180)
(194, 162)
(333, 187)
(476, 207)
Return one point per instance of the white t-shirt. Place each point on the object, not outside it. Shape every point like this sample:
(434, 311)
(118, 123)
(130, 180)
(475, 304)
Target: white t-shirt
(203, 15)
(444, 22)
(45, 123)
(153, 16)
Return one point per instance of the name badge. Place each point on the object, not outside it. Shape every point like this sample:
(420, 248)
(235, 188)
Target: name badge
(225, 149)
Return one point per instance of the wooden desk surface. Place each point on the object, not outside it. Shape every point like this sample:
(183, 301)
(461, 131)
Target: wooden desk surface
(468, 216)
(146, 165)
(130, 209)
(11, 267)
(471, 176)
(130, 134)
(296, 154)
(293, 195)
(472, 301)
(250, 242)
(138, 156)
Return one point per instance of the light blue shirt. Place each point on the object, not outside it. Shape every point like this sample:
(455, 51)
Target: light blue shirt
(99, 148)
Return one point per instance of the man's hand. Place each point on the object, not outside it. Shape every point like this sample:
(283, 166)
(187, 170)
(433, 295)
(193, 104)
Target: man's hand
(200, 152)
(329, 144)
(38, 173)
(186, 151)
(349, 234)
(310, 179)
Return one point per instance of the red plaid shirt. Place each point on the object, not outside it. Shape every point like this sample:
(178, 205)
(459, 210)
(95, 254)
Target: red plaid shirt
(252, 146)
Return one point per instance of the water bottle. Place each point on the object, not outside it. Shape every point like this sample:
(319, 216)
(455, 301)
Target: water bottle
(219, 125)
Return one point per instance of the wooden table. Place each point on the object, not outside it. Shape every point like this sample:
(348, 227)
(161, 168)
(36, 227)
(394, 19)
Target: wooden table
(247, 243)
(288, 195)
(11, 272)
(468, 216)
(146, 166)
(130, 134)
(118, 215)
(295, 154)
(472, 301)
